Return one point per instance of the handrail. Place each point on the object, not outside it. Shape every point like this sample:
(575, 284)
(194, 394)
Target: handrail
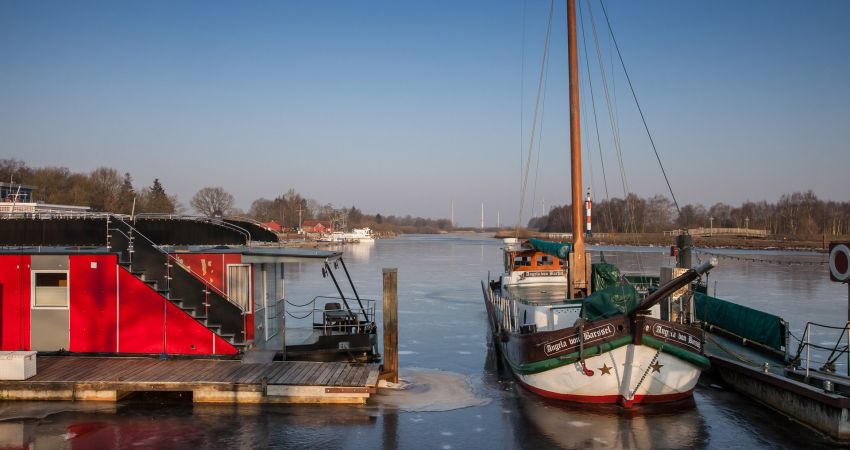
(359, 326)
(221, 222)
(835, 351)
(183, 266)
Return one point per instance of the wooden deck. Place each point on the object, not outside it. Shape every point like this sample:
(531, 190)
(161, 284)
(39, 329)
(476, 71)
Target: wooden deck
(210, 381)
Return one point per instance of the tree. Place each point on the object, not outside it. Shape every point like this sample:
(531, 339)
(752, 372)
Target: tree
(262, 209)
(155, 200)
(104, 189)
(212, 201)
(126, 195)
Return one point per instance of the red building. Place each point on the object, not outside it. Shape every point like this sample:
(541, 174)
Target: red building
(106, 285)
(273, 225)
(317, 226)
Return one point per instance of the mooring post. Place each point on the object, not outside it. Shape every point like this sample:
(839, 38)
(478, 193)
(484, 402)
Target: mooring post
(390, 372)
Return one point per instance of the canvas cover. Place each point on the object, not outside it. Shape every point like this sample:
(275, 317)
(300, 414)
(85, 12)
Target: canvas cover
(610, 302)
(604, 275)
(748, 323)
(557, 249)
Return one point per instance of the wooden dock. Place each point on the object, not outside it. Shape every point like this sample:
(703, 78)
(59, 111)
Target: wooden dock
(209, 381)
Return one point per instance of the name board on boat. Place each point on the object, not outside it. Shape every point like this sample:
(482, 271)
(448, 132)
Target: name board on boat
(672, 335)
(568, 343)
(542, 273)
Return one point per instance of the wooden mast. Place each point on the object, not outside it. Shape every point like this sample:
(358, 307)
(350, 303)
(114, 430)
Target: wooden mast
(578, 263)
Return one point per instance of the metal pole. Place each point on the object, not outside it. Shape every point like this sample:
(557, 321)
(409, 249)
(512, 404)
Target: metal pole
(328, 267)
(354, 289)
(390, 372)
(808, 350)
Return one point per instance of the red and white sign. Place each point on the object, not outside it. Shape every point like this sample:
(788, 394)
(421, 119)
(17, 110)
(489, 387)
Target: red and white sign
(839, 261)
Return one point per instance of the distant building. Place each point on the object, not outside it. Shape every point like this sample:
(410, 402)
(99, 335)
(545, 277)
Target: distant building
(273, 225)
(17, 199)
(317, 226)
(18, 193)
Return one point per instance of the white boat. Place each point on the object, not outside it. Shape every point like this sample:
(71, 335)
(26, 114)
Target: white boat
(564, 341)
(362, 234)
(351, 237)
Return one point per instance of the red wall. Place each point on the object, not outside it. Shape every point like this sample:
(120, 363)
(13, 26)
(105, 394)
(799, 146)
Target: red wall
(93, 304)
(213, 268)
(142, 314)
(15, 302)
(100, 320)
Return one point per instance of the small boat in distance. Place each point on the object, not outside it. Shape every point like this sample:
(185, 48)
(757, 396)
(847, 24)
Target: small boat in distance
(354, 236)
(362, 234)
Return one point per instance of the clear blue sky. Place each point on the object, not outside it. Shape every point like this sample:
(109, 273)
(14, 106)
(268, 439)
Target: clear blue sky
(402, 107)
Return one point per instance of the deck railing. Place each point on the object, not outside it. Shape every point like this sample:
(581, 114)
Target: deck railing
(835, 351)
(714, 231)
(336, 318)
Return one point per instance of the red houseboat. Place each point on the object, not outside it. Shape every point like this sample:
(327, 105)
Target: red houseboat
(110, 284)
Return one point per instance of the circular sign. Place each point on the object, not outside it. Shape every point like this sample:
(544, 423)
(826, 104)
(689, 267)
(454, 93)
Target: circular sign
(839, 262)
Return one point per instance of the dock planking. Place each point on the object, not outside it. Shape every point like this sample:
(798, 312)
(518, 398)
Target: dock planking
(110, 378)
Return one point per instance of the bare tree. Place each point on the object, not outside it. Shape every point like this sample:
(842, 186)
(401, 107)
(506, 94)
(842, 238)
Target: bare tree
(212, 201)
(104, 189)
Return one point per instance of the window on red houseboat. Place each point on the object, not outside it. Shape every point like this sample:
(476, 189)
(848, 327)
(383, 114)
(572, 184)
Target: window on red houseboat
(50, 289)
(239, 285)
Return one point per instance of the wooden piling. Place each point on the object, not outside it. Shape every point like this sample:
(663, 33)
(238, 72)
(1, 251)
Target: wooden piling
(390, 372)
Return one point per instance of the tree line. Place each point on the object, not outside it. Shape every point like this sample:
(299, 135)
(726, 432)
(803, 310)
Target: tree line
(798, 213)
(105, 190)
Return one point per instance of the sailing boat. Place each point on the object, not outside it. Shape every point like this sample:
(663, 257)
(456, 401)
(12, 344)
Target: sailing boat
(563, 341)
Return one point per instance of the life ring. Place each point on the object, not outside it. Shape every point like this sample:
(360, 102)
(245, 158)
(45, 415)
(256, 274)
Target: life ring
(839, 262)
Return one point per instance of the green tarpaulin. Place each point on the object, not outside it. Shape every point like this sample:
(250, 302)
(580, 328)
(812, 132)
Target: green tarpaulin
(558, 249)
(604, 275)
(611, 302)
(746, 322)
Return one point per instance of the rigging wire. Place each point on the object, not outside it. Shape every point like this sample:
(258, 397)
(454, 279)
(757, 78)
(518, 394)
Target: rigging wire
(543, 62)
(631, 224)
(522, 92)
(595, 117)
(637, 103)
(539, 144)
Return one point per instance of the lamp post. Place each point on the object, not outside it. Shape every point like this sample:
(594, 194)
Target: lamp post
(711, 225)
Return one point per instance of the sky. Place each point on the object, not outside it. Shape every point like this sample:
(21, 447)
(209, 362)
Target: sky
(403, 107)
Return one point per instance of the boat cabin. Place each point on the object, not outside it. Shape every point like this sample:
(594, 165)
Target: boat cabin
(527, 265)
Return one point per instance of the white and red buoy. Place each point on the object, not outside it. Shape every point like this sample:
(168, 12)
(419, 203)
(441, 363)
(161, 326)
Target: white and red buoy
(587, 205)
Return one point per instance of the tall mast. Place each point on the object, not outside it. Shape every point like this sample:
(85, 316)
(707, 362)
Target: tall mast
(578, 278)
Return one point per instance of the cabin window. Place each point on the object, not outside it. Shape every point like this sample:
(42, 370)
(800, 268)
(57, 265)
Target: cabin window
(239, 285)
(522, 261)
(50, 289)
(544, 260)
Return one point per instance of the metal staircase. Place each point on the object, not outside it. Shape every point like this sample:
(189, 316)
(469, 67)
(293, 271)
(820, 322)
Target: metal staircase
(175, 282)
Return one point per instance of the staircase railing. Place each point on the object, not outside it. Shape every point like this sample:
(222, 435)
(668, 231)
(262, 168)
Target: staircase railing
(184, 287)
(220, 222)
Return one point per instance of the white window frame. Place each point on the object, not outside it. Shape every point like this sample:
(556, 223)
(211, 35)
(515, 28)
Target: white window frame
(250, 299)
(67, 289)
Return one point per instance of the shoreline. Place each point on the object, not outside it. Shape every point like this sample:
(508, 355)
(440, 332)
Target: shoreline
(786, 243)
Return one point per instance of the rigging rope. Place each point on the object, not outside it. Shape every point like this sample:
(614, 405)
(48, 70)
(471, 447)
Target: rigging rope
(631, 224)
(536, 113)
(640, 110)
(595, 118)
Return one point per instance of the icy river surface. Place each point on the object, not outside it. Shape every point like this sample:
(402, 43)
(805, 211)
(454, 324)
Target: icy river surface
(454, 395)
